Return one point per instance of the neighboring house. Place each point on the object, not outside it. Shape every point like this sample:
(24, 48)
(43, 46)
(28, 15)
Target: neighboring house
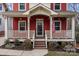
(1, 21)
(40, 23)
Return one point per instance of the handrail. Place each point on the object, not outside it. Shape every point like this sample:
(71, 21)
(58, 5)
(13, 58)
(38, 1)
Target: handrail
(46, 38)
(33, 39)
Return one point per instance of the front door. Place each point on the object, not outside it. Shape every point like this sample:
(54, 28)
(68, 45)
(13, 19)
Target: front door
(39, 28)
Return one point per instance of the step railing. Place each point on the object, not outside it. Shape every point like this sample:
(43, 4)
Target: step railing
(33, 40)
(46, 39)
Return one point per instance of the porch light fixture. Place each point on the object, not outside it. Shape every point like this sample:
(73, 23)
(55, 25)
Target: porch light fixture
(20, 18)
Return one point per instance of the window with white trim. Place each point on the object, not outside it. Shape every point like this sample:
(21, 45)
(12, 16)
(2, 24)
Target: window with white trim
(21, 6)
(57, 7)
(0, 7)
(22, 25)
(57, 25)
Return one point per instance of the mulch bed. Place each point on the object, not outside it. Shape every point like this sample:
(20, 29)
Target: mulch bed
(16, 48)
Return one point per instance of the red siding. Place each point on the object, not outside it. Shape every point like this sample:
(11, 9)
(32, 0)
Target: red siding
(15, 22)
(63, 6)
(52, 6)
(27, 6)
(15, 6)
(63, 23)
(33, 22)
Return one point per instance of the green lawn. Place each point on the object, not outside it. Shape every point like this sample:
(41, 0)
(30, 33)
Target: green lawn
(57, 53)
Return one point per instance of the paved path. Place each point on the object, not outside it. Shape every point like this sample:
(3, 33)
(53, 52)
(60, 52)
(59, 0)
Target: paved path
(34, 52)
(2, 40)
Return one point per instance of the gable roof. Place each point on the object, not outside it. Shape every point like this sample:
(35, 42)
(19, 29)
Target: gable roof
(40, 5)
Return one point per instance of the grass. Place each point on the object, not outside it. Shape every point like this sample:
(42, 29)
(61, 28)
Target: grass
(61, 53)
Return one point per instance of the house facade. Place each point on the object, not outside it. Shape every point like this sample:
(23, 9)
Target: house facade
(2, 21)
(40, 23)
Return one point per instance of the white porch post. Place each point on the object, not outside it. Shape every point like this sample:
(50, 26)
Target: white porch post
(73, 28)
(50, 27)
(6, 27)
(28, 27)
(73, 32)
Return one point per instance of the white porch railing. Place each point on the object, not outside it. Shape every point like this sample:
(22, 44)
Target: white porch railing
(63, 34)
(17, 34)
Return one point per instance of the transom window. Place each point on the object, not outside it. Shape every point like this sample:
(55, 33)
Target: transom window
(57, 25)
(22, 25)
(57, 6)
(0, 7)
(22, 7)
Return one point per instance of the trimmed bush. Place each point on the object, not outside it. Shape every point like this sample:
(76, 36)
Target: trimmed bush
(27, 44)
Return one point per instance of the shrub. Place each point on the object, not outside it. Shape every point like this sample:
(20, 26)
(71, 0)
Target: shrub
(9, 45)
(27, 44)
(17, 43)
(50, 46)
(6, 42)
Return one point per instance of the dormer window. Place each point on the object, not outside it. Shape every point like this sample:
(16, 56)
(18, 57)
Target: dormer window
(22, 7)
(57, 6)
(0, 7)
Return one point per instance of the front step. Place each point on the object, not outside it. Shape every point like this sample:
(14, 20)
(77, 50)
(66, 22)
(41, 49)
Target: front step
(40, 44)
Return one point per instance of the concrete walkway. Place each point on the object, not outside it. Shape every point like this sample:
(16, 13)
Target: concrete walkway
(2, 40)
(34, 52)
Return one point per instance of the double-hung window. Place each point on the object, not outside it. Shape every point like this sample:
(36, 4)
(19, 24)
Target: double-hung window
(57, 6)
(22, 25)
(57, 25)
(21, 6)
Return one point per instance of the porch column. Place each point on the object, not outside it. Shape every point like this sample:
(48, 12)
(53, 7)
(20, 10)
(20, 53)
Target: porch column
(73, 28)
(73, 32)
(50, 27)
(28, 27)
(6, 27)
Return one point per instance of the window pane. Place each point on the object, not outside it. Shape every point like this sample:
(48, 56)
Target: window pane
(22, 6)
(22, 28)
(57, 23)
(22, 24)
(0, 6)
(57, 6)
(57, 28)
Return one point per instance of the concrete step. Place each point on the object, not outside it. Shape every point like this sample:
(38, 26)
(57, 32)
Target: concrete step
(39, 42)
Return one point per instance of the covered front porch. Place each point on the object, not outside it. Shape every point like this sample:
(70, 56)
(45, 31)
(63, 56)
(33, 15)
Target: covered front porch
(40, 24)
